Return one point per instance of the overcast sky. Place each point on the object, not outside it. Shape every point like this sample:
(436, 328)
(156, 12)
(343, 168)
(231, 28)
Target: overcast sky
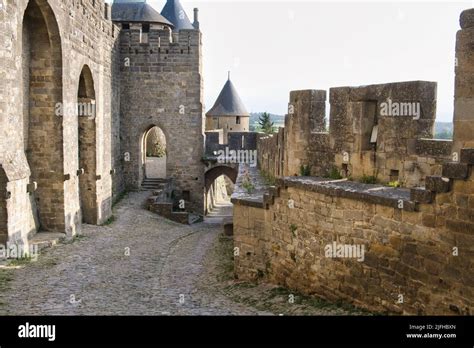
(273, 47)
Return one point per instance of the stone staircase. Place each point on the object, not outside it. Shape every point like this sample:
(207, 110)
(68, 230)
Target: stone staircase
(443, 183)
(165, 200)
(44, 240)
(154, 184)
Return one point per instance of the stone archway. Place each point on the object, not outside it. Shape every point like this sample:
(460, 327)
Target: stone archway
(215, 172)
(87, 146)
(215, 182)
(42, 118)
(3, 208)
(154, 153)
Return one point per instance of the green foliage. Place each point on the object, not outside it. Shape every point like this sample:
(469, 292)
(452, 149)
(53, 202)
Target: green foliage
(268, 178)
(119, 197)
(26, 259)
(247, 183)
(293, 229)
(158, 150)
(368, 179)
(305, 170)
(334, 174)
(110, 221)
(394, 184)
(266, 123)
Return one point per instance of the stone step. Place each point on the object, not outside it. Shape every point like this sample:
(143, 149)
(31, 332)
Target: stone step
(45, 240)
(152, 186)
(161, 181)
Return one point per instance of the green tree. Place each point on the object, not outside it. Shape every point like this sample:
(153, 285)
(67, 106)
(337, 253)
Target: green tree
(266, 123)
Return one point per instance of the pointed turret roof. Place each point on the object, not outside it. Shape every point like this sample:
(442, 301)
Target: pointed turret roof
(174, 12)
(136, 11)
(228, 103)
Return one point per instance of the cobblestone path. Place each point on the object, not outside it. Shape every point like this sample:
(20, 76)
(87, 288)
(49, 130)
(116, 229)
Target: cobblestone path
(141, 264)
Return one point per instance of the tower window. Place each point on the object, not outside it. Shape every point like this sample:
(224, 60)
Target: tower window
(144, 33)
(237, 120)
(126, 26)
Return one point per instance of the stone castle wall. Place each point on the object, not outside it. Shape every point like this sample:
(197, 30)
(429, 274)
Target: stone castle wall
(403, 150)
(161, 85)
(45, 47)
(464, 90)
(421, 251)
(418, 240)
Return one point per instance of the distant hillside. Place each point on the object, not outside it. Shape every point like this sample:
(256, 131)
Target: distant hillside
(443, 130)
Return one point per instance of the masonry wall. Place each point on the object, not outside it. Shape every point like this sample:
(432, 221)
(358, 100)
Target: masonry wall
(404, 149)
(408, 253)
(228, 124)
(393, 156)
(464, 90)
(418, 242)
(80, 34)
(235, 141)
(161, 85)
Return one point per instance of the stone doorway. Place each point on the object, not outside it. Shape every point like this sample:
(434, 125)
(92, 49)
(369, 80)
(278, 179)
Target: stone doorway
(154, 154)
(42, 119)
(87, 146)
(218, 196)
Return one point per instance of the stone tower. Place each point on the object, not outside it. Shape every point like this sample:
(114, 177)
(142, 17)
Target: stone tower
(161, 86)
(228, 113)
(464, 93)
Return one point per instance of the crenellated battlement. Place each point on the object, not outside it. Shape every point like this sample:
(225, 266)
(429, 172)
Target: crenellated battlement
(383, 132)
(157, 38)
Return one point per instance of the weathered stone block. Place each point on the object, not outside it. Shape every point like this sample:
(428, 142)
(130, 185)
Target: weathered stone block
(467, 156)
(455, 170)
(467, 19)
(437, 184)
(459, 226)
(429, 220)
(421, 195)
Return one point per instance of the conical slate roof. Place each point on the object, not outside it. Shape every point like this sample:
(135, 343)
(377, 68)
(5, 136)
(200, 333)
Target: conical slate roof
(174, 12)
(228, 103)
(136, 11)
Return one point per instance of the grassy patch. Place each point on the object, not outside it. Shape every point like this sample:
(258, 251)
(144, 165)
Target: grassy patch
(293, 229)
(19, 262)
(117, 199)
(110, 221)
(76, 238)
(262, 296)
(6, 276)
(368, 179)
(226, 258)
(334, 174)
(305, 170)
(268, 178)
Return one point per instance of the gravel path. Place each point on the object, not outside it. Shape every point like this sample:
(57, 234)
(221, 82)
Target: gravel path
(141, 264)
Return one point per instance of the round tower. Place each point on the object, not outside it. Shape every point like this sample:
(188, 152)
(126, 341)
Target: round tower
(229, 112)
